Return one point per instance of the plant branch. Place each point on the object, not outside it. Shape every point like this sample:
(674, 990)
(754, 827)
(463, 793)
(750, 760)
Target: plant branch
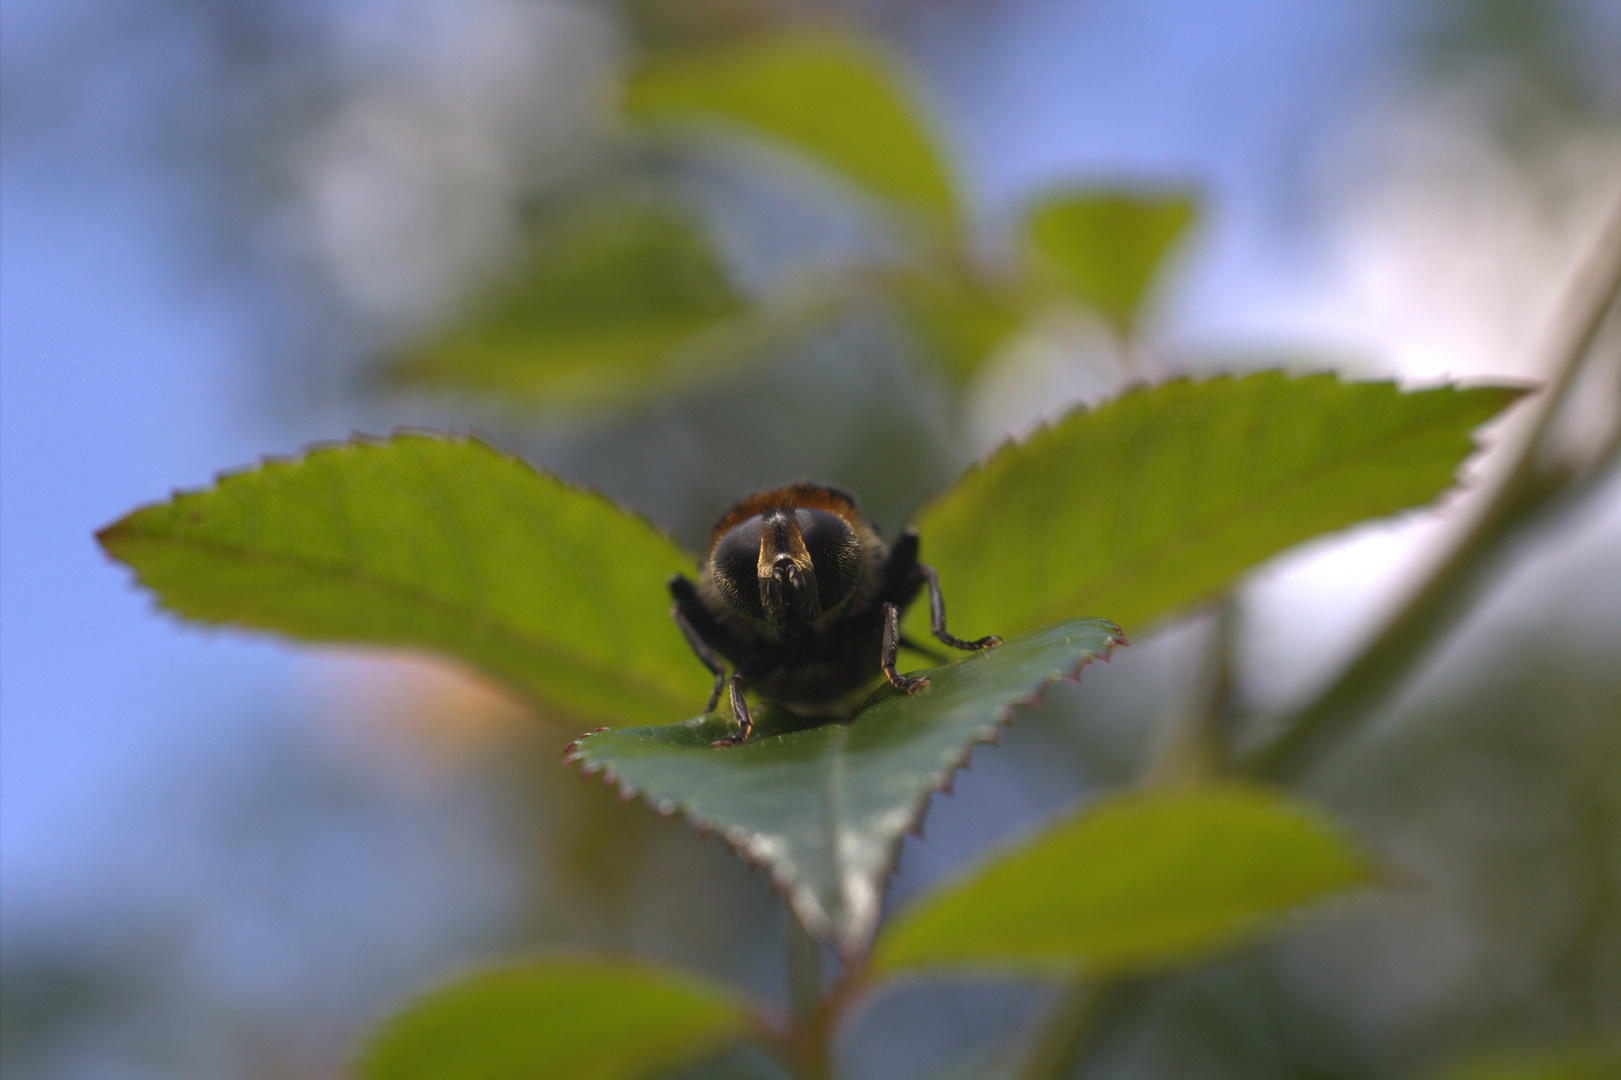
(1196, 746)
(1198, 738)
(816, 1009)
(1529, 487)
(1202, 740)
(810, 1032)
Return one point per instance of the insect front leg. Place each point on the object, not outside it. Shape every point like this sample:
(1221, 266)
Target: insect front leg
(740, 713)
(740, 706)
(937, 616)
(892, 640)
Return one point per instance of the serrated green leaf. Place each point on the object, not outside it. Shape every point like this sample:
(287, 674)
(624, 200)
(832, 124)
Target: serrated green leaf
(825, 807)
(559, 1019)
(836, 100)
(1107, 248)
(432, 543)
(1138, 881)
(1159, 499)
(619, 304)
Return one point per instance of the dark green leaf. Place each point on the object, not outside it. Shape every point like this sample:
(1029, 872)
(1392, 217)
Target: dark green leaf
(1106, 248)
(838, 101)
(1161, 498)
(1138, 881)
(619, 304)
(433, 543)
(558, 1019)
(825, 807)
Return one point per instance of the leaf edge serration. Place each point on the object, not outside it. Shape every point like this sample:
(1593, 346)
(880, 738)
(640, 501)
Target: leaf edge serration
(850, 937)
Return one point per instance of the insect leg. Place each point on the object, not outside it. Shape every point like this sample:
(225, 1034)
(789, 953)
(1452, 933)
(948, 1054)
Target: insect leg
(749, 669)
(710, 659)
(892, 640)
(740, 713)
(937, 616)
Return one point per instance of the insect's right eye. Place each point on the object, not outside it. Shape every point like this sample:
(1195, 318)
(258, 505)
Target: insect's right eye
(735, 564)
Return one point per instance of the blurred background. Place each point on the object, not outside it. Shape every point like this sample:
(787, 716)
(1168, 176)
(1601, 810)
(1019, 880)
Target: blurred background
(228, 230)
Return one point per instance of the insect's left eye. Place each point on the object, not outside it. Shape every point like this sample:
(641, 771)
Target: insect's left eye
(835, 553)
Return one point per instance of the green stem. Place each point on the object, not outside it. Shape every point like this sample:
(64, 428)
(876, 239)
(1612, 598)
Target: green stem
(1202, 741)
(811, 1029)
(1447, 593)
(1198, 741)
(1196, 746)
(804, 972)
(806, 1048)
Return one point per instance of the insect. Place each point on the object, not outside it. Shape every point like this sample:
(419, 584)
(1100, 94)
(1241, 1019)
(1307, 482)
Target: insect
(803, 598)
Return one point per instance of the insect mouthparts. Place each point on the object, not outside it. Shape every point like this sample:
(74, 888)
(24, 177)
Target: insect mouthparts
(787, 591)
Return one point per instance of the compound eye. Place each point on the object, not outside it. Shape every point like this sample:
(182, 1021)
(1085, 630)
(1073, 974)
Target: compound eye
(734, 566)
(835, 553)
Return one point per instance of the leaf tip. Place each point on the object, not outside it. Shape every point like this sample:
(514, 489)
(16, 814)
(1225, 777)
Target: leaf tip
(109, 534)
(575, 751)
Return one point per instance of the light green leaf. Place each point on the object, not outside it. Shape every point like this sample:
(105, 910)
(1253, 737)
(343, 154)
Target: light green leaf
(558, 1019)
(433, 543)
(825, 807)
(1159, 499)
(838, 101)
(1106, 248)
(620, 303)
(1138, 881)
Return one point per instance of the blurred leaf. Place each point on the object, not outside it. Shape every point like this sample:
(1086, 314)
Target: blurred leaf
(825, 807)
(1159, 499)
(432, 543)
(744, 1062)
(994, 1062)
(1588, 1062)
(619, 305)
(836, 100)
(1137, 881)
(960, 321)
(1106, 248)
(559, 1019)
